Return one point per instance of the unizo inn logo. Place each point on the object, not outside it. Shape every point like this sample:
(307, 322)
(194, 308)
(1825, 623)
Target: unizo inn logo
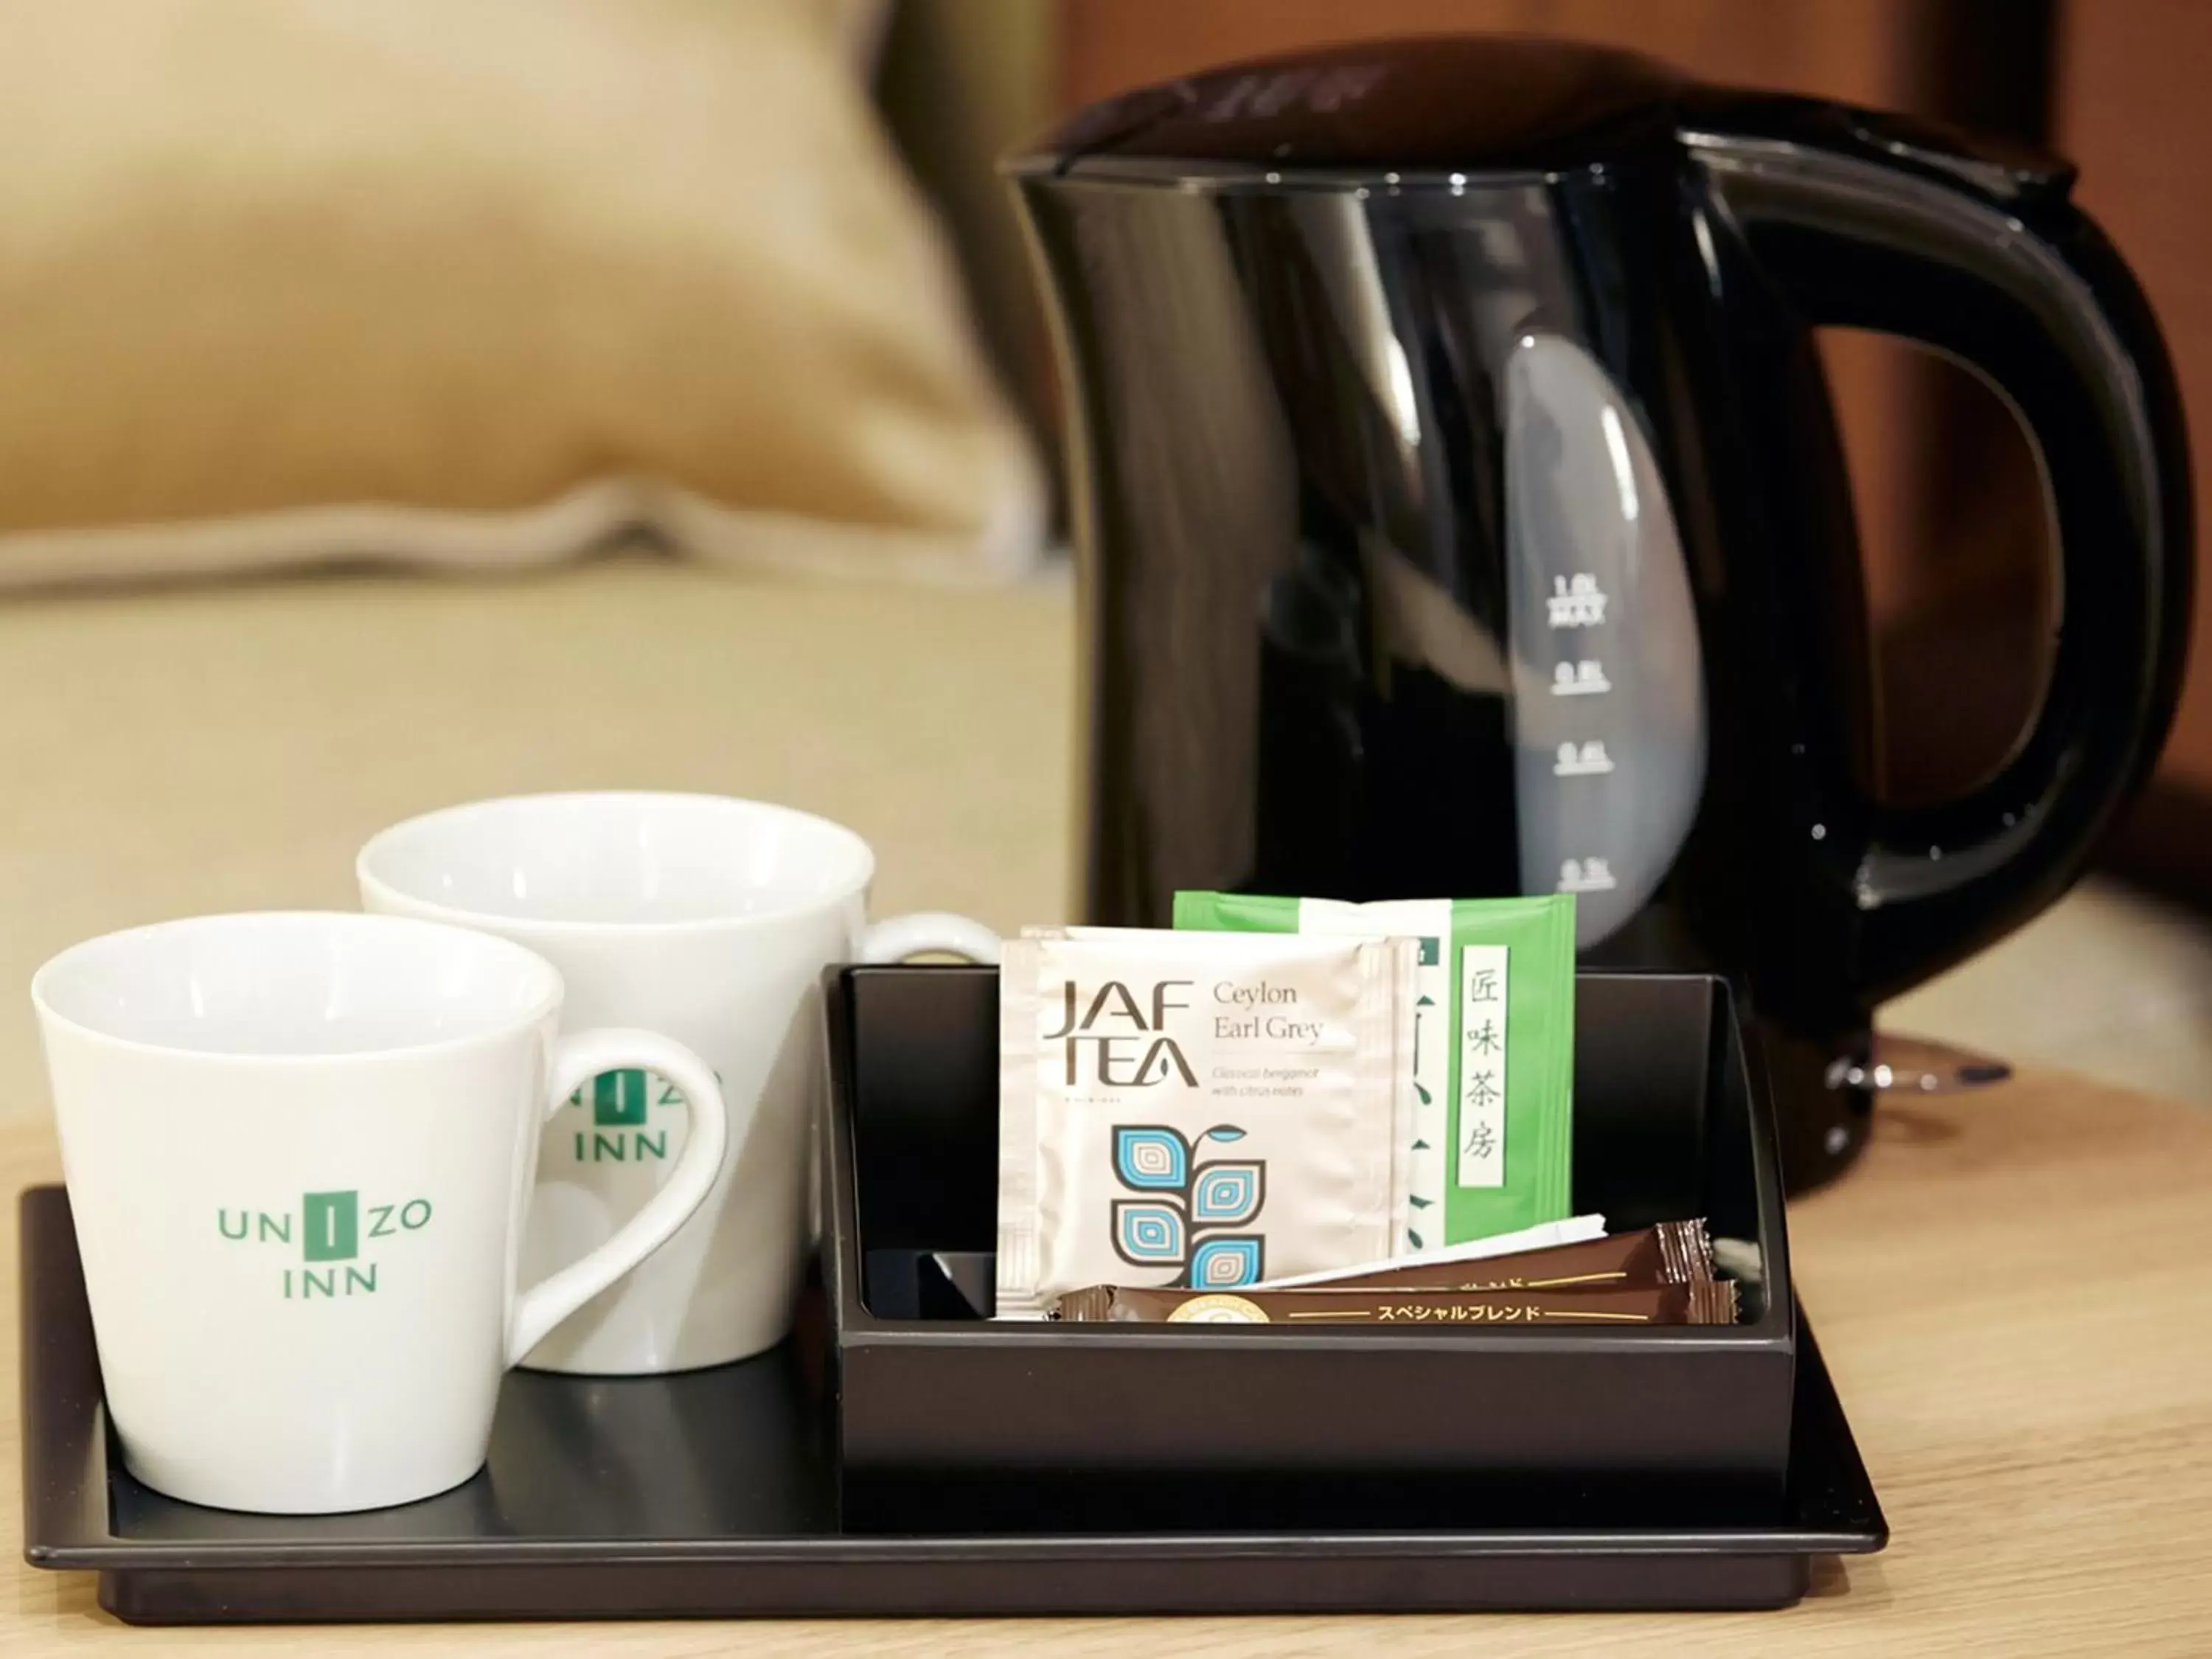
(333, 1233)
(623, 1105)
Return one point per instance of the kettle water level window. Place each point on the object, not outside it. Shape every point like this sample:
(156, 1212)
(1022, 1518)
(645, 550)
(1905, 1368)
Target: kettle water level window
(1609, 711)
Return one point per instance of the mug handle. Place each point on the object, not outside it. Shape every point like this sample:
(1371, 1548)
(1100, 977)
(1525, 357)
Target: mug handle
(896, 938)
(576, 1061)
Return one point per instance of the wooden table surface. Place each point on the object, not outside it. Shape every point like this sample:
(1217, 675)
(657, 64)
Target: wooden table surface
(2013, 1292)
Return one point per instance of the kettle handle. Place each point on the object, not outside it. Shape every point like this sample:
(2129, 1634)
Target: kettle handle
(1875, 222)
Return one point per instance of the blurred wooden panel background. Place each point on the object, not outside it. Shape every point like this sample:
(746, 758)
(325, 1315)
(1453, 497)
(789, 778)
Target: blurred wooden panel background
(2131, 107)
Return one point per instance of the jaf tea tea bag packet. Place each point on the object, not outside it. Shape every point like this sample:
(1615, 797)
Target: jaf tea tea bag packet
(1202, 1110)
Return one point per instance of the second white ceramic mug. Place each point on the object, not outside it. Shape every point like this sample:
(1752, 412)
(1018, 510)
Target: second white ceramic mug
(707, 918)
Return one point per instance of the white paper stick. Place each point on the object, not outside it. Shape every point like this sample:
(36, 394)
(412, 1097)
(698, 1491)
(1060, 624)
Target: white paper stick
(1573, 1231)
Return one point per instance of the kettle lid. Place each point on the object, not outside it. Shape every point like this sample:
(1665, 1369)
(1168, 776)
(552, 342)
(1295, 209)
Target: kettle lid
(1444, 102)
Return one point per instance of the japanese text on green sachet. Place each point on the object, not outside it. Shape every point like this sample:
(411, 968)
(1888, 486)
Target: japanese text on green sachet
(1493, 1069)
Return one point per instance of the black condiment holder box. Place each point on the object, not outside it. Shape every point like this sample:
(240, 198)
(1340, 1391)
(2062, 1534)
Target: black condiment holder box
(1246, 1422)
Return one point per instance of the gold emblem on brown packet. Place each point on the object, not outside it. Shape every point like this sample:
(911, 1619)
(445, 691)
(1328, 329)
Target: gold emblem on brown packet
(1219, 1308)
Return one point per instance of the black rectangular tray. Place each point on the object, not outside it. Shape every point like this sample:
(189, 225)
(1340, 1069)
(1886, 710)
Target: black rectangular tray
(1670, 1119)
(714, 1493)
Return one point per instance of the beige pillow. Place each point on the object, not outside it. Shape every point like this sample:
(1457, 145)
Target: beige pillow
(475, 282)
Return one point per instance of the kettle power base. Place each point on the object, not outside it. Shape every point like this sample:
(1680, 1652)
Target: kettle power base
(716, 1494)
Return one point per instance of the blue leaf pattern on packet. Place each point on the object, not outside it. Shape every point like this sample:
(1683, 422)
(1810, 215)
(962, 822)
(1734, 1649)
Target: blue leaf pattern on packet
(1226, 1193)
(1221, 1263)
(1152, 1158)
(1148, 1234)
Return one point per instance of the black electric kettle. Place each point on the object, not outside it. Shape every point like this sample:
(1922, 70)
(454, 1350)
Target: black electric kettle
(1460, 512)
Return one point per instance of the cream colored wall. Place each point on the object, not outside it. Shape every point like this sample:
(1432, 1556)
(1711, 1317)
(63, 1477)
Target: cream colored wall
(228, 747)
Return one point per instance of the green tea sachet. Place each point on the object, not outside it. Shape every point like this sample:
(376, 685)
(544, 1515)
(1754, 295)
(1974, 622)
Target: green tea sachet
(1493, 1069)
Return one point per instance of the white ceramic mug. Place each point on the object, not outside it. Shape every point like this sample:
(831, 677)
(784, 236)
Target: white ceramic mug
(712, 920)
(299, 1151)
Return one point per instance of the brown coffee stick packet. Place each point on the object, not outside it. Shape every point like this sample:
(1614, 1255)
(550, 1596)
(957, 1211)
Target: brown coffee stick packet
(1699, 1302)
(1671, 1253)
